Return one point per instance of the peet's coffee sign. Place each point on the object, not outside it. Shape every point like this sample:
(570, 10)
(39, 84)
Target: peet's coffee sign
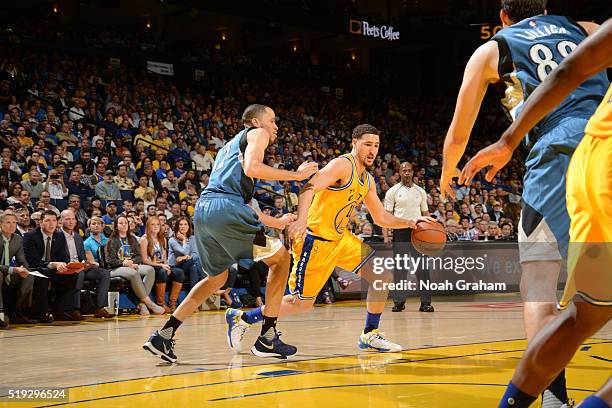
(370, 30)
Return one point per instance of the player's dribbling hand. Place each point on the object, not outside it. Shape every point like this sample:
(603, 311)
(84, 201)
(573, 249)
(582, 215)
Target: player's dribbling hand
(306, 170)
(297, 230)
(286, 219)
(496, 155)
(446, 190)
(413, 223)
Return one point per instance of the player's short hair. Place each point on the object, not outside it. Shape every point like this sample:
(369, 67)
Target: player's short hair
(519, 10)
(363, 129)
(253, 111)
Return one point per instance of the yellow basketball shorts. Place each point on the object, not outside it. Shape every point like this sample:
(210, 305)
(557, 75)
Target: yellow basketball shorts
(314, 260)
(589, 204)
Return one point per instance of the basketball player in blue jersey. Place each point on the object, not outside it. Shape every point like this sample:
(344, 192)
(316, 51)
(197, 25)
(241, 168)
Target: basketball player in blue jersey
(227, 230)
(587, 299)
(519, 57)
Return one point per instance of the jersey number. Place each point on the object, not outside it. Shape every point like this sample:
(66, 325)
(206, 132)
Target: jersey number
(543, 56)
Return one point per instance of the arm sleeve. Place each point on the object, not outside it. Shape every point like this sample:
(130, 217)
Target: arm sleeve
(20, 255)
(390, 200)
(423, 201)
(176, 248)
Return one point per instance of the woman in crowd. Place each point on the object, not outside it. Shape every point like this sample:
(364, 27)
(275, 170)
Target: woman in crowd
(123, 258)
(15, 191)
(95, 204)
(154, 249)
(182, 252)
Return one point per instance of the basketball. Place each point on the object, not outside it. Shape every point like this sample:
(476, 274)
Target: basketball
(428, 239)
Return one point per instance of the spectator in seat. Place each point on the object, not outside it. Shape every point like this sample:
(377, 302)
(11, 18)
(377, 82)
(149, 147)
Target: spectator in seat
(203, 159)
(452, 227)
(14, 193)
(123, 181)
(46, 251)
(108, 189)
(507, 232)
(14, 278)
(23, 221)
(183, 253)
(34, 184)
(154, 249)
(5, 170)
(170, 183)
(122, 255)
(55, 185)
(497, 212)
(111, 213)
(45, 203)
(143, 187)
(92, 271)
(74, 203)
(76, 186)
(129, 166)
(279, 205)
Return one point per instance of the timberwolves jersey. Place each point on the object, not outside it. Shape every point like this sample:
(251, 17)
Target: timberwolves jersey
(528, 51)
(227, 175)
(331, 209)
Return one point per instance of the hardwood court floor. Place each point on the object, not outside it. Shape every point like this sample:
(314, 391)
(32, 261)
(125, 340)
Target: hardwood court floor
(462, 355)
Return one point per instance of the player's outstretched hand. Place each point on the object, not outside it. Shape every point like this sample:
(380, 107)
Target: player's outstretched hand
(306, 170)
(446, 190)
(286, 219)
(496, 155)
(297, 230)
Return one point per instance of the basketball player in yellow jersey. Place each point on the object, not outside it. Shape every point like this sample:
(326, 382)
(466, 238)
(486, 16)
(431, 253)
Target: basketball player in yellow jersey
(321, 240)
(589, 204)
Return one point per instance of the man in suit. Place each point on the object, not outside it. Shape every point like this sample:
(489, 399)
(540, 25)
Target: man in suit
(23, 220)
(496, 211)
(92, 272)
(14, 278)
(46, 251)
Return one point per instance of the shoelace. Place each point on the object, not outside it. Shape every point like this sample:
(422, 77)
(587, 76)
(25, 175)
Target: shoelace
(380, 336)
(276, 338)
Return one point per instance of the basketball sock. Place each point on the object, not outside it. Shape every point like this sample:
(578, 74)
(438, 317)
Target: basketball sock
(268, 330)
(372, 322)
(253, 316)
(171, 326)
(515, 398)
(594, 402)
(558, 389)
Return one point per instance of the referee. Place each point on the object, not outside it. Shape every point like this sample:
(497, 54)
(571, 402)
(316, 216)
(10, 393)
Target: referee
(407, 200)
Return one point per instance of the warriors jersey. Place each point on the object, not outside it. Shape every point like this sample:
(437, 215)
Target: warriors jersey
(332, 208)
